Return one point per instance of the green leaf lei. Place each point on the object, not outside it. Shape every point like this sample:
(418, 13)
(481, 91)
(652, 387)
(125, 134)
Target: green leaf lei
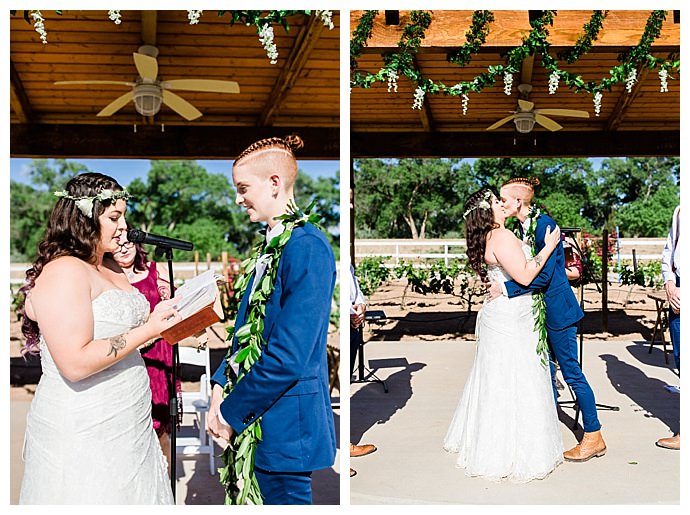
(237, 475)
(538, 304)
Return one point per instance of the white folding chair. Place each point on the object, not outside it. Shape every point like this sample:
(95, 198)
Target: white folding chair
(197, 403)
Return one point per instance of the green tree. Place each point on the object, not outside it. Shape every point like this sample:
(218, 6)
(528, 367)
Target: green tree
(326, 192)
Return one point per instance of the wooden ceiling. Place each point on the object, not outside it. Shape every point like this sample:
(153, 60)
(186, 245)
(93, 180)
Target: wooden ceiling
(643, 122)
(299, 94)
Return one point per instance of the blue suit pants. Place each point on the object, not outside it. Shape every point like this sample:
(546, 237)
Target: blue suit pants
(564, 347)
(674, 329)
(284, 487)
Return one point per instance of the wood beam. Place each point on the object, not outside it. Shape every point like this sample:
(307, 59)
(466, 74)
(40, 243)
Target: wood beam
(510, 144)
(18, 99)
(149, 142)
(526, 70)
(625, 99)
(149, 27)
(425, 115)
(304, 44)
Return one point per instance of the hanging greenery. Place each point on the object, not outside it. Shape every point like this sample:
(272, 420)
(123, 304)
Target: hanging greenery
(263, 21)
(535, 43)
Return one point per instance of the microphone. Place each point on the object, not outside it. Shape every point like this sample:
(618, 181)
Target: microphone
(136, 236)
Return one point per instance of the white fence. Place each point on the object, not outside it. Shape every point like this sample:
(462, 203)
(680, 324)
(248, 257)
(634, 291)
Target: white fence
(647, 249)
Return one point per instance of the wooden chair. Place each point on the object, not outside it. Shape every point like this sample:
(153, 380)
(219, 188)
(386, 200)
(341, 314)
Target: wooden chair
(661, 323)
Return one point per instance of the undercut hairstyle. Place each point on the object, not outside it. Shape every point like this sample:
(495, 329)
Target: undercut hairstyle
(524, 187)
(279, 154)
(68, 233)
(479, 221)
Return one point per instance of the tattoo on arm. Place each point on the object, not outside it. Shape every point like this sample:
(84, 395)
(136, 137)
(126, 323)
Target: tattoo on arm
(117, 343)
(537, 260)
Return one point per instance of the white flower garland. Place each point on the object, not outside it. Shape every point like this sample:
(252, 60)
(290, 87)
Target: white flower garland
(418, 98)
(507, 83)
(465, 103)
(597, 102)
(266, 37)
(194, 15)
(115, 16)
(85, 204)
(663, 78)
(553, 82)
(39, 26)
(631, 80)
(392, 79)
(326, 17)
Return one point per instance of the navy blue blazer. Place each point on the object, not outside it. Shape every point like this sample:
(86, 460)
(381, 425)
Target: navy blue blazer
(288, 385)
(562, 308)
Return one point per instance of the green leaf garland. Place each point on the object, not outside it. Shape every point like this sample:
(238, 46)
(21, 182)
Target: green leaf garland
(237, 475)
(538, 303)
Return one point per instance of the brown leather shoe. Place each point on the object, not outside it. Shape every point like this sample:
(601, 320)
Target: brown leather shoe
(672, 442)
(591, 446)
(361, 450)
(353, 472)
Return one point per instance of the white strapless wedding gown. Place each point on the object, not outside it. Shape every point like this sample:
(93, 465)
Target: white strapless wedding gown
(92, 441)
(506, 426)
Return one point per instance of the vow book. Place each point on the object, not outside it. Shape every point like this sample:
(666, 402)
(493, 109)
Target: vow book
(199, 305)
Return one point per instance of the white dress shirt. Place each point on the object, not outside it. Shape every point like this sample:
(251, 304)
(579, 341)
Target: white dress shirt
(356, 296)
(259, 271)
(670, 257)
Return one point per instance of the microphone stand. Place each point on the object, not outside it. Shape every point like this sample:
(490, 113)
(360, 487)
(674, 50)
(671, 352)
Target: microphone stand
(168, 252)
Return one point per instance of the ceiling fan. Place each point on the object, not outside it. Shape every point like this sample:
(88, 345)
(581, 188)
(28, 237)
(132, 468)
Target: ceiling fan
(148, 92)
(526, 116)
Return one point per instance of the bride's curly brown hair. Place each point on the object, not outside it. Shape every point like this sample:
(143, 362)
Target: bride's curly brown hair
(479, 221)
(68, 233)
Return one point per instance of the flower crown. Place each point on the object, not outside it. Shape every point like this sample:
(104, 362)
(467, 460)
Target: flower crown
(482, 204)
(85, 204)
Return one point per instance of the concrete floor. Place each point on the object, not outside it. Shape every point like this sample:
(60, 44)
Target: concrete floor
(425, 381)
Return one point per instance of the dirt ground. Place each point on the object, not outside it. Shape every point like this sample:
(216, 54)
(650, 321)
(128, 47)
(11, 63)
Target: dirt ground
(631, 314)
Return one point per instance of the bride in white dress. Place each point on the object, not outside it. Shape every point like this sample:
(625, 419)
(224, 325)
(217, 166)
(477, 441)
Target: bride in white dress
(505, 426)
(89, 435)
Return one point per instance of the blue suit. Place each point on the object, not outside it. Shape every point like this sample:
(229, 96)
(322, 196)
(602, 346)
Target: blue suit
(562, 315)
(288, 386)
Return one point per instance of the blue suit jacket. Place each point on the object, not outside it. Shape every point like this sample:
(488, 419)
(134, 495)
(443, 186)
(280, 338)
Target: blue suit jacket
(288, 386)
(562, 308)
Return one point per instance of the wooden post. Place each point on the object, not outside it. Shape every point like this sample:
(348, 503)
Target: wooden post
(634, 262)
(208, 261)
(224, 262)
(196, 262)
(604, 280)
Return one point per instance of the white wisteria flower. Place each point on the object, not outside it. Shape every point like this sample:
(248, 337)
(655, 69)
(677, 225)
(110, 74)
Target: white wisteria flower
(663, 78)
(597, 102)
(193, 15)
(392, 79)
(266, 38)
(631, 80)
(553, 82)
(39, 26)
(418, 98)
(115, 16)
(326, 17)
(507, 83)
(465, 103)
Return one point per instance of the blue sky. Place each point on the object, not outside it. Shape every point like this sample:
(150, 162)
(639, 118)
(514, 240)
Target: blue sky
(124, 170)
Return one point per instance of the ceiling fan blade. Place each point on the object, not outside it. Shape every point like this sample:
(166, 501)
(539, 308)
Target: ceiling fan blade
(210, 85)
(525, 105)
(563, 112)
(547, 122)
(180, 106)
(147, 66)
(113, 82)
(116, 104)
(500, 122)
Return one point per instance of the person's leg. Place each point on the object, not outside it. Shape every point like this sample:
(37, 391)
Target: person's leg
(674, 329)
(284, 487)
(356, 341)
(564, 344)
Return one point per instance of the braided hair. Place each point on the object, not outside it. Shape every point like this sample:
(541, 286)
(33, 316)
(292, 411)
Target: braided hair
(289, 144)
(526, 185)
(479, 221)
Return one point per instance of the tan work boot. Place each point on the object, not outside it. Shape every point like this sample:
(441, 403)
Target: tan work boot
(592, 445)
(672, 442)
